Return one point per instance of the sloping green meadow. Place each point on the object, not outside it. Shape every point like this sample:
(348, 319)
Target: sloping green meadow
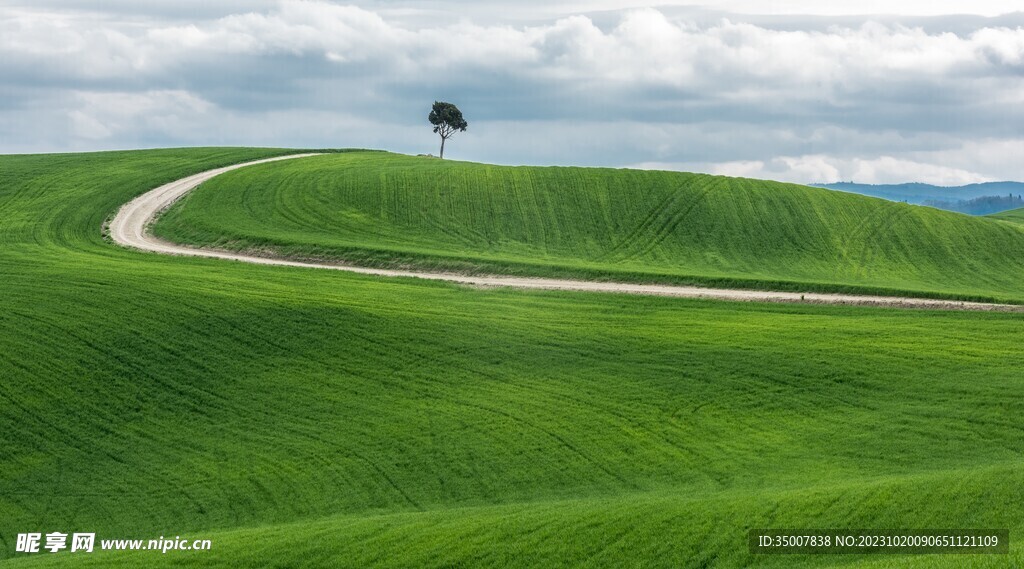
(385, 209)
(307, 418)
(1014, 215)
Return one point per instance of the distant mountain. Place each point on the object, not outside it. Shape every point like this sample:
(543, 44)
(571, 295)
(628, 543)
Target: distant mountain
(975, 199)
(984, 205)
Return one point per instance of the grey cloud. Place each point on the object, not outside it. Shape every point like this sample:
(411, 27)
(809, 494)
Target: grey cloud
(151, 9)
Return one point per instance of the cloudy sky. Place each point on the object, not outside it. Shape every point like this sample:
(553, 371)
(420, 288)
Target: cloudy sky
(799, 90)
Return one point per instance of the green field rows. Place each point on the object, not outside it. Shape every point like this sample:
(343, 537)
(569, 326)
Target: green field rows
(384, 209)
(307, 418)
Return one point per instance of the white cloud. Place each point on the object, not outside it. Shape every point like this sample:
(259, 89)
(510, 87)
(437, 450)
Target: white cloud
(99, 116)
(865, 100)
(864, 7)
(645, 46)
(87, 126)
(503, 9)
(811, 7)
(820, 168)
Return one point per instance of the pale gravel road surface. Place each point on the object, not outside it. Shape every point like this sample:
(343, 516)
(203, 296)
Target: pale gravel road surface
(130, 228)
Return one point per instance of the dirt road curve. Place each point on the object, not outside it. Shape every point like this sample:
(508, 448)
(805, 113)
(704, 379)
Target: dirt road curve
(130, 228)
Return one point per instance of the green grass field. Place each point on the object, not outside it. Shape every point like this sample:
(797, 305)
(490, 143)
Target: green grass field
(307, 418)
(384, 209)
(1015, 216)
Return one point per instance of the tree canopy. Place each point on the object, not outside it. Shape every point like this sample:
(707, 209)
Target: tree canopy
(447, 120)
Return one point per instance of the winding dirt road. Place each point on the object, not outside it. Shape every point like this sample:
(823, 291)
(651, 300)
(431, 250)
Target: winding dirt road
(130, 229)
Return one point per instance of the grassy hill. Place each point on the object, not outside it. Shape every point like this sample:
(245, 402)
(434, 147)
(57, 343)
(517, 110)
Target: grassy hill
(305, 418)
(1015, 216)
(385, 210)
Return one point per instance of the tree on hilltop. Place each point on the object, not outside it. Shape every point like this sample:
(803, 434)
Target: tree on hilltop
(447, 120)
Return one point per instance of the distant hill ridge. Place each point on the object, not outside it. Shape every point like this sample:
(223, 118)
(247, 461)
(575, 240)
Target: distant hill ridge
(974, 199)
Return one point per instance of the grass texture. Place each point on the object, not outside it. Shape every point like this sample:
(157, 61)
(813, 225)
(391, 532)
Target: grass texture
(306, 418)
(384, 209)
(1014, 216)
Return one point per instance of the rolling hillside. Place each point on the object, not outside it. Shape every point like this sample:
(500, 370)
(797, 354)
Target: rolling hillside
(383, 209)
(1015, 216)
(307, 418)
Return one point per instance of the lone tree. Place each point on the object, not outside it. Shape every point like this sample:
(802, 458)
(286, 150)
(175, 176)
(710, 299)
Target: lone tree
(447, 120)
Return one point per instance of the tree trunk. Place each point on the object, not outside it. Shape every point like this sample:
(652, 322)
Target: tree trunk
(442, 147)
